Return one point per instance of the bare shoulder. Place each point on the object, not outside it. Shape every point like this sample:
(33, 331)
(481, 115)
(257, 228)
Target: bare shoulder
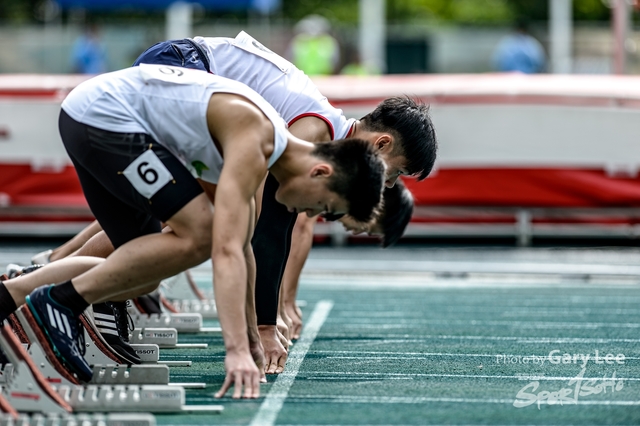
(311, 128)
(227, 110)
(234, 119)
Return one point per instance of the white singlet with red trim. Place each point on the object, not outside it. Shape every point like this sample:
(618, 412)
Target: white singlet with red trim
(284, 86)
(170, 104)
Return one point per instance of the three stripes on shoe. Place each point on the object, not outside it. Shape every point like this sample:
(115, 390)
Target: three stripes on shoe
(59, 320)
(105, 323)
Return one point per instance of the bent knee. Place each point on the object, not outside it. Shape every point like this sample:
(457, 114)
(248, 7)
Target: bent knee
(202, 247)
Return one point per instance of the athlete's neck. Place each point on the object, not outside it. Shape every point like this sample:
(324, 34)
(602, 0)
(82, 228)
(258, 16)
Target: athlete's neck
(296, 160)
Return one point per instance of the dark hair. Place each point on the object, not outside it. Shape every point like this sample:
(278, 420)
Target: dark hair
(359, 174)
(396, 213)
(409, 122)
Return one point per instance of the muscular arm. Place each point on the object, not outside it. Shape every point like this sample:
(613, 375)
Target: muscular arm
(271, 245)
(245, 136)
(272, 239)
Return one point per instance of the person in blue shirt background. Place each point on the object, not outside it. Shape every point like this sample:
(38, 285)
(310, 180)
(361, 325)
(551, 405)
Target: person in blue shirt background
(89, 55)
(519, 52)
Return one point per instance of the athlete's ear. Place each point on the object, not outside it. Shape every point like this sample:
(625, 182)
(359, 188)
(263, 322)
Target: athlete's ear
(384, 142)
(321, 170)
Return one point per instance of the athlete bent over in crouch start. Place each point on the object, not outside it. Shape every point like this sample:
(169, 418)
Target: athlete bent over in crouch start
(400, 129)
(390, 225)
(138, 139)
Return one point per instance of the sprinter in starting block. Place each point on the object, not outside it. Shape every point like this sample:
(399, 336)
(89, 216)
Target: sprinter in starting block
(139, 140)
(400, 129)
(389, 225)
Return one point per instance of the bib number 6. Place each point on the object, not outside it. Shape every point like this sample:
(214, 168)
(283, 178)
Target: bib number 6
(147, 174)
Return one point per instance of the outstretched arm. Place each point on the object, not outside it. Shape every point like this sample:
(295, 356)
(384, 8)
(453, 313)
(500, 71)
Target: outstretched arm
(245, 136)
(271, 245)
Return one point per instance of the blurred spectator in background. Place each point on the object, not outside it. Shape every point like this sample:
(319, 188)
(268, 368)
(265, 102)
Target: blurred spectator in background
(89, 55)
(355, 66)
(313, 49)
(519, 51)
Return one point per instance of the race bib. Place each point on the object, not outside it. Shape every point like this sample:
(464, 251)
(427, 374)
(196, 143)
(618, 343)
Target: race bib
(245, 42)
(147, 174)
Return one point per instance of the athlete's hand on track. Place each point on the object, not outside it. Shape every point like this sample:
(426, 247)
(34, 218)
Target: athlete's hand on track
(283, 340)
(241, 372)
(275, 353)
(294, 312)
(284, 324)
(257, 353)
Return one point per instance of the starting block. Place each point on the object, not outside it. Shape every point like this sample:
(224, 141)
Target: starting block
(105, 371)
(6, 410)
(184, 323)
(182, 294)
(206, 308)
(165, 338)
(27, 390)
(147, 353)
(118, 419)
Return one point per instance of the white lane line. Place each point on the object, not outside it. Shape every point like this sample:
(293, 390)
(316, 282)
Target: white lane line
(324, 375)
(420, 323)
(268, 412)
(346, 399)
(412, 338)
(383, 355)
(507, 311)
(403, 355)
(379, 266)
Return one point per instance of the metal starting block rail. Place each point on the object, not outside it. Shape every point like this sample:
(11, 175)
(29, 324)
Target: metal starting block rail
(117, 419)
(152, 398)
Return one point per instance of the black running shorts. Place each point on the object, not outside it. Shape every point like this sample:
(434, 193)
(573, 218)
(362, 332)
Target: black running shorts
(100, 157)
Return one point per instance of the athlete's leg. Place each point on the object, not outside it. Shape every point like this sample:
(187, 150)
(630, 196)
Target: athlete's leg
(76, 242)
(99, 245)
(152, 257)
(127, 216)
(56, 272)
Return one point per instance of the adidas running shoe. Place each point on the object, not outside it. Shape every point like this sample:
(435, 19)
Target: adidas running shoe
(112, 321)
(62, 330)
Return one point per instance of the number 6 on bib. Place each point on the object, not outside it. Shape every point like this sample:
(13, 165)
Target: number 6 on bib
(147, 174)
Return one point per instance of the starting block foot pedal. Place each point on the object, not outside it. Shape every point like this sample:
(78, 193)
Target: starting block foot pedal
(162, 337)
(50, 366)
(165, 338)
(107, 373)
(147, 353)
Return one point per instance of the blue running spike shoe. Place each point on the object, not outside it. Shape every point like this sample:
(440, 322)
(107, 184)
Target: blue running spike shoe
(62, 329)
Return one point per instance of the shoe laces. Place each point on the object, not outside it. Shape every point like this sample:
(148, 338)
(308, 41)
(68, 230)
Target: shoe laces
(124, 322)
